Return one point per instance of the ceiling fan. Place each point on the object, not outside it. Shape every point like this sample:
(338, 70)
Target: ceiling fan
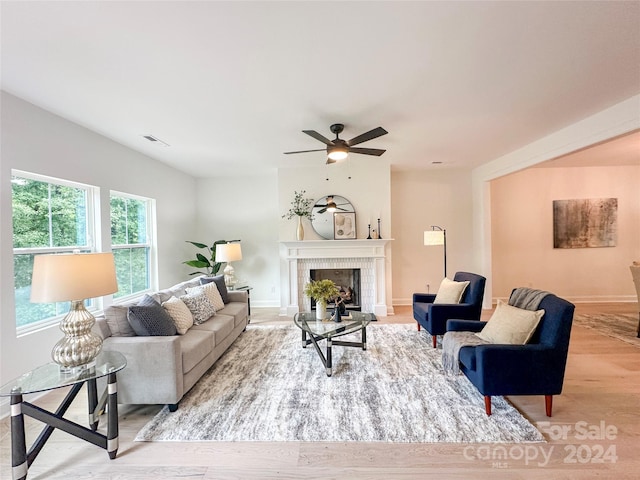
(338, 149)
(330, 206)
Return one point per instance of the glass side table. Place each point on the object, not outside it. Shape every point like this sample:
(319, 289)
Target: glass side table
(49, 377)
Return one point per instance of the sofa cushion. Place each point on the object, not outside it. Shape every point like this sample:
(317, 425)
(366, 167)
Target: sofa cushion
(450, 291)
(148, 318)
(195, 346)
(222, 287)
(116, 318)
(199, 305)
(180, 314)
(221, 326)
(510, 325)
(237, 310)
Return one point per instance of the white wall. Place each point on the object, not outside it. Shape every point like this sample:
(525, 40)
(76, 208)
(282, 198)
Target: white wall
(522, 233)
(420, 199)
(38, 141)
(364, 181)
(245, 208)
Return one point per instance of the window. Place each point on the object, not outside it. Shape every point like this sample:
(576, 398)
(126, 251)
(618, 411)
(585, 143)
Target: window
(49, 216)
(131, 235)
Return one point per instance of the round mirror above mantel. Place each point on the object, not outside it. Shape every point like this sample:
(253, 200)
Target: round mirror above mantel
(323, 217)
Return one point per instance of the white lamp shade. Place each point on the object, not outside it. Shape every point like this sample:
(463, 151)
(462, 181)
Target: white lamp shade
(77, 276)
(228, 252)
(434, 237)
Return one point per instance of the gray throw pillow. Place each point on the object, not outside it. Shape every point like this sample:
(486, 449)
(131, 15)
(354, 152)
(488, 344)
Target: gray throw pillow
(222, 287)
(149, 319)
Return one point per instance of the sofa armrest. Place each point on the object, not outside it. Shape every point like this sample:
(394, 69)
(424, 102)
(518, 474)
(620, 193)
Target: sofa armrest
(154, 369)
(464, 325)
(238, 296)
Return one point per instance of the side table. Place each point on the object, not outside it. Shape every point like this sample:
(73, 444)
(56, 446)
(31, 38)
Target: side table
(49, 377)
(247, 288)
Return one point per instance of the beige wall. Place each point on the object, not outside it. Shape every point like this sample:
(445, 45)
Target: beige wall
(522, 233)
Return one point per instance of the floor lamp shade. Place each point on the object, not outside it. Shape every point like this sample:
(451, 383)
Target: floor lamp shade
(229, 252)
(437, 236)
(74, 277)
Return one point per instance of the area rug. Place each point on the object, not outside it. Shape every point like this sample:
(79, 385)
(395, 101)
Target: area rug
(623, 326)
(266, 387)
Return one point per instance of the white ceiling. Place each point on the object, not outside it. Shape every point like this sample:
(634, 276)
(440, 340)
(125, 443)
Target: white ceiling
(230, 85)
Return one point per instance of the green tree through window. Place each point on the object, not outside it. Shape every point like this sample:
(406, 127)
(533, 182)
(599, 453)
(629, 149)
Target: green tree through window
(130, 241)
(48, 217)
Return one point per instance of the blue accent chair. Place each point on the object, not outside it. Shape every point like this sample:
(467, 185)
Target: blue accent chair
(433, 317)
(536, 368)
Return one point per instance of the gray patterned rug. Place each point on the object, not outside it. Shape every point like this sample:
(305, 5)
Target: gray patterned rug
(266, 387)
(621, 326)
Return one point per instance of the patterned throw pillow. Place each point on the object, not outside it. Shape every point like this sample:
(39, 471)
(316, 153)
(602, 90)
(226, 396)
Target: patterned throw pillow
(149, 319)
(212, 293)
(199, 305)
(180, 314)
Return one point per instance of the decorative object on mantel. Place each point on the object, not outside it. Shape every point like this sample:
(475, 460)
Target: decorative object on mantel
(369, 236)
(585, 223)
(300, 207)
(437, 236)
(344, 225)
(321, 291)
(323, 210)
(379, 231)
(74, 277)
(209, 264)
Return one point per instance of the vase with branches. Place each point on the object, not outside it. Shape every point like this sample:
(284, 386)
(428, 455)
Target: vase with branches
(300, 208)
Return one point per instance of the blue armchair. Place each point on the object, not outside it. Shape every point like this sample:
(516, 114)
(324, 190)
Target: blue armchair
(433, 317)
(536, 368)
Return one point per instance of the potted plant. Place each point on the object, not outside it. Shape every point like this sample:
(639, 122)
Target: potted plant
(207, 262)
(321, 291)
(300, 207)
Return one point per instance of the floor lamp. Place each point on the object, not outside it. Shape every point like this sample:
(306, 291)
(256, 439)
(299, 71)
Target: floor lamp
(437, 236)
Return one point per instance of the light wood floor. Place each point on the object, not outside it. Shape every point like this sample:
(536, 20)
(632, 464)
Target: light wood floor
(601, 388)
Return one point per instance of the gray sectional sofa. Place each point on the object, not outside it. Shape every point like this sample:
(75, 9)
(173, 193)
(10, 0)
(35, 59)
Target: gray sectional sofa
(161, 369)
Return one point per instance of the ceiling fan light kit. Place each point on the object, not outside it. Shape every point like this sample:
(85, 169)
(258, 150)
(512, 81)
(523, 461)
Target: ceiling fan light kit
(339, 149)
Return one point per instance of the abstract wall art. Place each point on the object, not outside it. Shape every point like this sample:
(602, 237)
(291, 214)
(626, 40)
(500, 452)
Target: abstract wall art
(585, 223)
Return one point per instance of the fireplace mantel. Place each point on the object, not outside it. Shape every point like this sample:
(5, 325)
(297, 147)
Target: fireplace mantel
(368, 255)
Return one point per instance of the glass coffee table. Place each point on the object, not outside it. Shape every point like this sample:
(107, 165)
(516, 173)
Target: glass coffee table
(327, 329)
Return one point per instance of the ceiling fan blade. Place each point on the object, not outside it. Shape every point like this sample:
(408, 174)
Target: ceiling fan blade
(368, 151)
(306, 151)
(370, 135)
(317, 136)
(322, 210)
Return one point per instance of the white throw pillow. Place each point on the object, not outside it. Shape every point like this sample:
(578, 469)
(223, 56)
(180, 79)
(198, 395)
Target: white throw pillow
(450, 291)
(180, 314)
(510, 325)
(212, 293)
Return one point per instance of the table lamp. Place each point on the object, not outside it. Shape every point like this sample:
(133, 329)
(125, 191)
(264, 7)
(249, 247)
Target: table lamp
(74, 277)
(229, 252)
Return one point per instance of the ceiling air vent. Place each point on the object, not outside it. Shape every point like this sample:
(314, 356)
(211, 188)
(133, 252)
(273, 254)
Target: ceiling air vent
(155, 140)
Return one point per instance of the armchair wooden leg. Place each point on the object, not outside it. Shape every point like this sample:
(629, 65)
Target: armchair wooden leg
(435, 341)
(487, 404)
(548, 404)
(418, 326)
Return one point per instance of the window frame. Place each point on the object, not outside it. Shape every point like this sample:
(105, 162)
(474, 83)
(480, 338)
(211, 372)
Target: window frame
(91, 214)
(150, 211)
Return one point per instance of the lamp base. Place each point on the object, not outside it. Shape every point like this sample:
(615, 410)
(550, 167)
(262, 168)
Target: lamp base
(80, 345)
(229, 276)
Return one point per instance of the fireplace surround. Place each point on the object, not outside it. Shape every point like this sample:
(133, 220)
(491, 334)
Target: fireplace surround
(369, 256)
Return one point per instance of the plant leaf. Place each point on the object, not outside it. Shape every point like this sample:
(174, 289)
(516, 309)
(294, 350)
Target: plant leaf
(199, 245)
(203, 259)
(197, 264)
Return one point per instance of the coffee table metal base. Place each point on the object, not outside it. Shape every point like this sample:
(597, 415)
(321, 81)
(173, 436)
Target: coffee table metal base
(326, 360)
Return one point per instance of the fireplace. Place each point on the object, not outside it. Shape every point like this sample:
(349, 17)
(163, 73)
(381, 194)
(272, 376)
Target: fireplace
(367, 256)
(346, 279)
